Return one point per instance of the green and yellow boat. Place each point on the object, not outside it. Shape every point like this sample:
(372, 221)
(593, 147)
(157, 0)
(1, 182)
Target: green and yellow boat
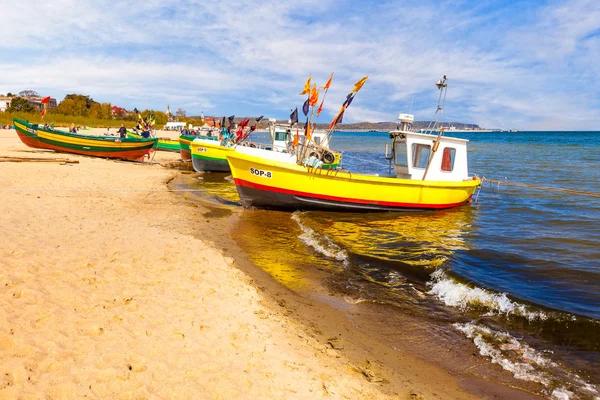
(41, 137)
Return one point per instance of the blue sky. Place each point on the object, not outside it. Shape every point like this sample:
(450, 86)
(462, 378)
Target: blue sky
(529, 65)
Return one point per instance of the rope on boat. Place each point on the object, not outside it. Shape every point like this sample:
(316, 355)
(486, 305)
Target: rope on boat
(570, 191)
(355, 157)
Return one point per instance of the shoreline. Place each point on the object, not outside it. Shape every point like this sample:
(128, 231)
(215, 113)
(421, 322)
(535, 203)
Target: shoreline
(110, 289)
(401, 366)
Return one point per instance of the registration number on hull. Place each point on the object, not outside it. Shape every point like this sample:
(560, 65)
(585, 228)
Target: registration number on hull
(201, 149)
(261, 173)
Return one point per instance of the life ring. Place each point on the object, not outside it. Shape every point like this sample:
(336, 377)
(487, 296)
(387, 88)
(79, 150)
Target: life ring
(251, 145)
(328, 158)
(313, 154)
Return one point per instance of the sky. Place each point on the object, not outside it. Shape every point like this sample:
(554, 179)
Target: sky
(527, 65)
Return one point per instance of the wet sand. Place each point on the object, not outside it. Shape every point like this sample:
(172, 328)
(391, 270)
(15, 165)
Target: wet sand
(113, 289)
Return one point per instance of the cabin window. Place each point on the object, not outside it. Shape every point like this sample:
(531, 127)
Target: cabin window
(400, 154)
(448, 157)
(421, 154)
(280, 136)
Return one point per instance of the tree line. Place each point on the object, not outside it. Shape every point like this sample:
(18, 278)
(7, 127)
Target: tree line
(79, 105)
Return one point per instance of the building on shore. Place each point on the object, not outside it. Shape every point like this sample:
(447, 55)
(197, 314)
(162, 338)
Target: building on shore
(5, 102)
(32, 97)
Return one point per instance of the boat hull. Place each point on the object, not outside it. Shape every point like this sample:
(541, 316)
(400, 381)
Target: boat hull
(269, 184)
(184, 145)
(210, 156)
(164, 144)
(95, 146)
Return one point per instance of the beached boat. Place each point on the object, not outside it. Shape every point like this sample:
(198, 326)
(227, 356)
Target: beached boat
(210, 155)
(430, 172)
(164, 144)
(184, 145)
(38, 136)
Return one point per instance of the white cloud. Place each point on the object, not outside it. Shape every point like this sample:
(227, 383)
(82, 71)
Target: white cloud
(508, 67)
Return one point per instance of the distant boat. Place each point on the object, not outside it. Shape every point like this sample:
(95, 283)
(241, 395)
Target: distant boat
(41, 137)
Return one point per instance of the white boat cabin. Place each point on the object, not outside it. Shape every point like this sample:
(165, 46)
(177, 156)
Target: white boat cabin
(420, 155)
(282, 136)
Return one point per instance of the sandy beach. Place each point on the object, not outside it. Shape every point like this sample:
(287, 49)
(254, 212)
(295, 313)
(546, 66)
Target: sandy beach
(109, 292)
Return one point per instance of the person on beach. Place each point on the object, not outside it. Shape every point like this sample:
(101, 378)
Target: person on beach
(72, 128)
(123, 131)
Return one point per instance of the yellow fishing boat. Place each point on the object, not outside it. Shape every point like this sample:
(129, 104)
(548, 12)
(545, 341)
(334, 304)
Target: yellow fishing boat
(430, 173)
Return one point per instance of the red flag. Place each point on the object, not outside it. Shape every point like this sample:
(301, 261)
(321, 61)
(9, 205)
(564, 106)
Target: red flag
(43, 112)
(45, 100)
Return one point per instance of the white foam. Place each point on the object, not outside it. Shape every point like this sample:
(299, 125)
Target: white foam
(459, 295)
(526, 363)
(321, 243)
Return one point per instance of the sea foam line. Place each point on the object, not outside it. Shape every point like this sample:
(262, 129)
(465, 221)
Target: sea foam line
(459, 295)
(526, 363)
(321, 243)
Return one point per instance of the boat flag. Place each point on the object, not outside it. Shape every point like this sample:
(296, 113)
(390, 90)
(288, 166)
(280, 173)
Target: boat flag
(320, 108)
(244, 122)
(338, 117)
(294, 116)
(223, 123)
(43, 112)
(314, 96)
(328, 82)
(349, 99)
(296, 138)
(326, 87)
(260, 118)
(45, 100)
(231, 119)
(359, 84)
(307, 130)
(306, 86)
(305, 107)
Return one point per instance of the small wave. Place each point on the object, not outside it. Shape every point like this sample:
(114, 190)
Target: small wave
(351, 300)
(321, 243)
(526, 363)
(459, 295)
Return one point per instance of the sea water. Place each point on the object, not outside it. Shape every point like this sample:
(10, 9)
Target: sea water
(517, 271)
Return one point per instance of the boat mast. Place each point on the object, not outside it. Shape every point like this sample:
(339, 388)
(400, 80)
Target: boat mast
(442, 85)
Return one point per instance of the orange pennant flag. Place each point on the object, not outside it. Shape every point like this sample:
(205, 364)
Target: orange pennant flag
(307, 132)
(314, 96)
(296, 138)
(320, 108)
(306, 86)
(359, 84)
(328, 82)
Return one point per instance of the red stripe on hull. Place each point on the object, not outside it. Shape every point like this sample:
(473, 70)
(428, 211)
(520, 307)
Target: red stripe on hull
(131, 155)
(243, 182)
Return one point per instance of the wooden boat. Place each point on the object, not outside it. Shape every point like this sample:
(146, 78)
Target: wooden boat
(184, 145)
(164, 144)
(430, 173)
(209, 155)
(37, 136)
